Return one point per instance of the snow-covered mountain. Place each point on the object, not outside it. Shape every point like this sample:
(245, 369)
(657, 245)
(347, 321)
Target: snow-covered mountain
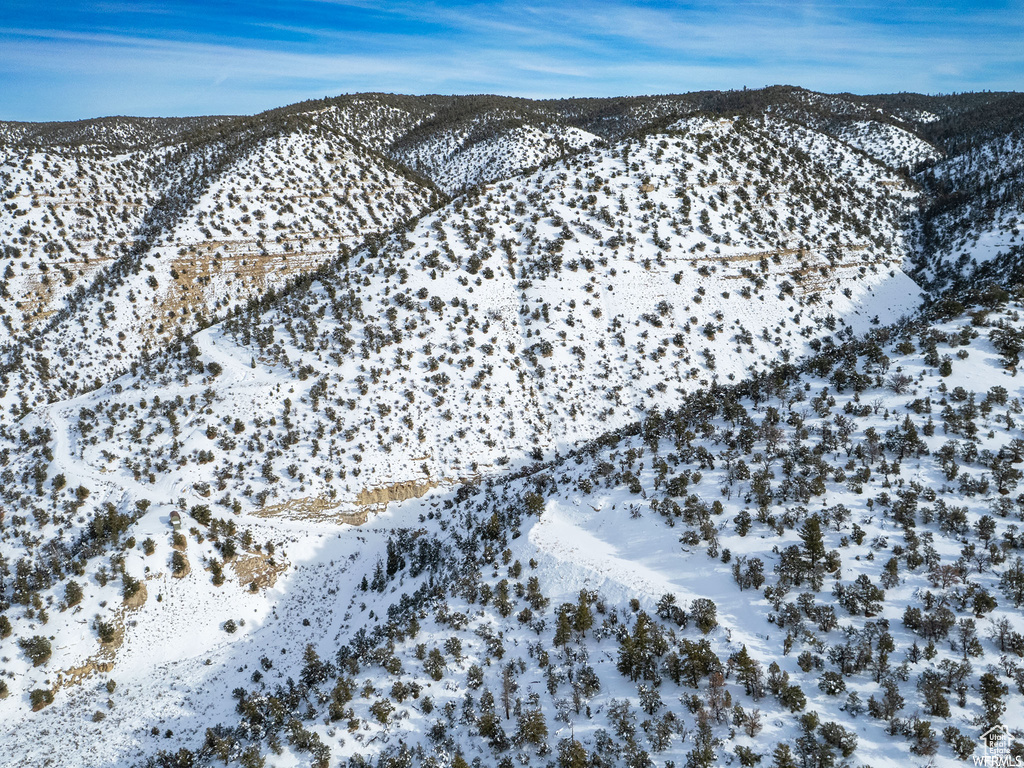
(458, 159)
(221, 225)
(582, 432)
(893, 145)
(512, 306)
(972, 232)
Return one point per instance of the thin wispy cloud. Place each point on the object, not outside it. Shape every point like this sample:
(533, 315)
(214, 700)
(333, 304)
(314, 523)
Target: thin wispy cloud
(177, 57)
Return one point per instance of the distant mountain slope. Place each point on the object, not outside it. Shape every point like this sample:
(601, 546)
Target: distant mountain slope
(974, 198)
(893, 145)
(66, 215)
(957, 121)
(484, 332)
(163, 165)
(463, 157)
(459, 141)
(114, 134)
(373, 119)
(282, 208)
(972, 229)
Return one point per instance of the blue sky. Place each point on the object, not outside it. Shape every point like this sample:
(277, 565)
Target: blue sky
(72, 60)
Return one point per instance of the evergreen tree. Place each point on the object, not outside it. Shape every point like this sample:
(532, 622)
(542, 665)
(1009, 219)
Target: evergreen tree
(748, 672)
(992, 692)
(36, 648)
(502, 600)
(813, 540)
(782, 757)
(1012, 582)
(697, 661)
(73, 593)
(395, 562)
(886, 707)
(703, 753)
(704, 613)
(563, 625)
(531, 727)
(571, 754)
(932, 686)
(314, 671)
(584, 617)
(434, 664)
(379, 580)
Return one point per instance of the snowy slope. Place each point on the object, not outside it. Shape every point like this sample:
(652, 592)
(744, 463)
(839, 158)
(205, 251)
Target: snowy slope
(510, 309)
(462, 157)
(286, 207)
(972, 227)
(670, 506)
(891, 144)
(514, 478)
(111, 134)
(65, 215)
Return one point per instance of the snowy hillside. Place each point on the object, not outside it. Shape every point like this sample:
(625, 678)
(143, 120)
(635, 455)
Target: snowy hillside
(383, 431)
(509, 309)
(284, 208)
(375, 120)
(770, 569)
(64, 216)
(891, 144)
(458, 159)
(113, 134)
(973, 229)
